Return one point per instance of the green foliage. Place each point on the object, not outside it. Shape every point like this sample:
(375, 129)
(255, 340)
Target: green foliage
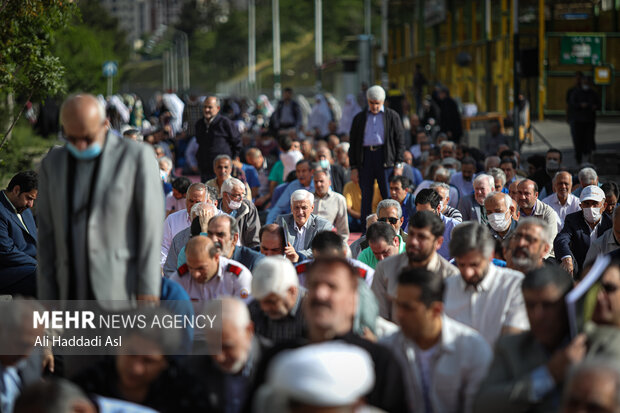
(92, 39)
(27, 65)
(218, 47)
(22, 152)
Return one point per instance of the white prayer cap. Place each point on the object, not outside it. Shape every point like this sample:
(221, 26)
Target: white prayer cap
(328, 374)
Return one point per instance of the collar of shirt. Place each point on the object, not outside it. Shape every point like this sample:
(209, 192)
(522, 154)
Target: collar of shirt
(380, 111)
(484, 284)
(534, 210)
(303, 228)
(327, 195)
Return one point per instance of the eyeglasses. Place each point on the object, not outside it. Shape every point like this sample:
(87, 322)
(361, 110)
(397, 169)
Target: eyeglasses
(391, 220)
(609, 288)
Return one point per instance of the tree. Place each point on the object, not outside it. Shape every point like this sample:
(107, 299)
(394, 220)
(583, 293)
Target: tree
(28, 68)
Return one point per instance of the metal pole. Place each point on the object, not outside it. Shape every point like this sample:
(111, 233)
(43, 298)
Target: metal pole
(277, 87)
(252, 45)
(165, 70)
(174, 66)
(110, 86)
(185, 60)
(384, 43)
(516, 71)
(318, 37)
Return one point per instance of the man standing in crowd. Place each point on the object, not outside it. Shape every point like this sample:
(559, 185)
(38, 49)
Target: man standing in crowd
(377, 146)
(277, 309)
(287, 114)
(528, 245)
(584, 103)
(329, 204)
(472, 206)
(499, 209)
(244, 212)
(485, 297)
(464, 180)
(531, 206)
(528, 371)
(445, 360)
(210, 274)
(18, 236)
(180, 220)
(302, 225)
(562, 201)
(581, 228)
(216, 135)
(223, 229)
(423, 240)
(93, 245)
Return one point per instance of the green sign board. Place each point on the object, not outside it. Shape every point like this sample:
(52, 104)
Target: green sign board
(581, 50)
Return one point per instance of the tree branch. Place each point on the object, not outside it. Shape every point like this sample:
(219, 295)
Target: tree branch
(8, 133)
(6, 3)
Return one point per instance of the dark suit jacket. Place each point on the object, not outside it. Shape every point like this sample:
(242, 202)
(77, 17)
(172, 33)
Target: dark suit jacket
(574, 239)
(393, 138)
(246, 256)
(222, 138)
(470, 209)
(213, 381)
(18, 247)
(316, 224)
(508, 384)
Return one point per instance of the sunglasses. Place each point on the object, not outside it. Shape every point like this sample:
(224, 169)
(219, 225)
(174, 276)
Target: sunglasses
(391, 220)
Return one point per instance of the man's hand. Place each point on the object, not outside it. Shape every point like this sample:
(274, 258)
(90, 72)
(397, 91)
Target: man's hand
(148, 298)
(567, 264)
(290, 253)
(237, 163)
(261, 200)
(48, 360)
(564, 358)
(204, 216)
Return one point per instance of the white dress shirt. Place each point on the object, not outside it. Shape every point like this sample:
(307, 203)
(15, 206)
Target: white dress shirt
(174, 223)
(571, 205)
(496, 302)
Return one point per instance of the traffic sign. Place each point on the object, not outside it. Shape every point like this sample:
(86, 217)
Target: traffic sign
(110, 68)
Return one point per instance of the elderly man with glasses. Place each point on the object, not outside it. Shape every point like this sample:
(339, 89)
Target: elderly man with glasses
(244, 212)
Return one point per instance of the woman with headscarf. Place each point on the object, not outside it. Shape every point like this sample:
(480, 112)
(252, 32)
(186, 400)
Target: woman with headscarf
(320, 116)
(351, 108)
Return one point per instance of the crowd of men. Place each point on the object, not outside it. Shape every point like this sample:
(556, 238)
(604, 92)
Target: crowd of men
(360, 265)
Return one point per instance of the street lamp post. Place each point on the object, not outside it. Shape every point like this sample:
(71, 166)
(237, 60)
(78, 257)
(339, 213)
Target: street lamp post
(277, 86)
(318, 50)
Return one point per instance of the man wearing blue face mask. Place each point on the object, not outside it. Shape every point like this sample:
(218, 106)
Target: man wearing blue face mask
(100, 212)
(338, 175)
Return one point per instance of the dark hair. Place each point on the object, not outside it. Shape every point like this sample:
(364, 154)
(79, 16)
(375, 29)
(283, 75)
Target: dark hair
(331, 261)
(302, 161)
(468, 160)
(285, 142)
(549, 274)
(195, 228)
(380, 231)
(404, 181)
(428, 219)
(288, 89)
(181, 184)
(326, 241)
(428, 196)
(26, 180)
(536, 160)
(274, 229)
(507, 159)
(610, 188)
(554, 150)
(430, 284)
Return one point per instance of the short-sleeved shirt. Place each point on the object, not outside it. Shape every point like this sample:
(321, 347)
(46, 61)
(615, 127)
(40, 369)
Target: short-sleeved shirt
(277, 172)
(232, 279)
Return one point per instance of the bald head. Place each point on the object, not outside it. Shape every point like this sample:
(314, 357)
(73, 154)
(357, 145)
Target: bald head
(83, 120)
(200, 246)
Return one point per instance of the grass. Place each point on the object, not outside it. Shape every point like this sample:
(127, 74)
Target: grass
(24, 151)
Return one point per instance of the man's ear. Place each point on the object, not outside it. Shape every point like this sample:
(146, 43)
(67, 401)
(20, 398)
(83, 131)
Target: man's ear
(235, 238)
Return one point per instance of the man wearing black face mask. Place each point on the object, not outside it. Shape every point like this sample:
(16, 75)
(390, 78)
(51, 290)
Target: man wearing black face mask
(584, 102)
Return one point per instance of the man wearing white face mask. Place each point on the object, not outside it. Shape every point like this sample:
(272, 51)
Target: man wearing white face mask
(243, 211)
(500, 210)
(582, 227)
